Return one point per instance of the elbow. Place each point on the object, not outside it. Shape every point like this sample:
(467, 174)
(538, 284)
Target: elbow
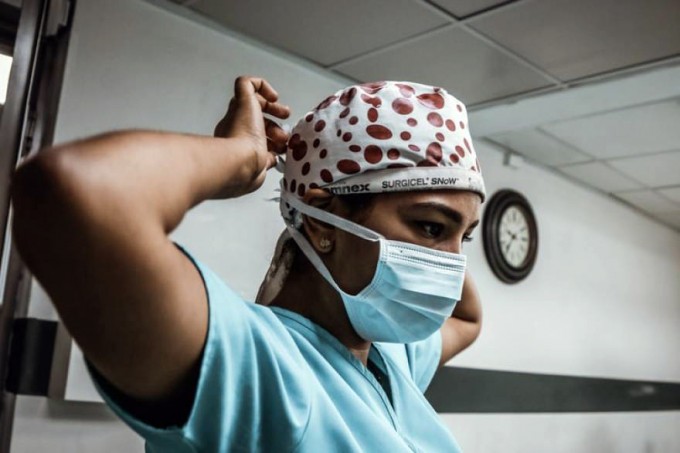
(475, 330)
(37, 193)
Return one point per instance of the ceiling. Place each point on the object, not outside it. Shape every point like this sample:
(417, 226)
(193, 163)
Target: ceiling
(483, 50)
(581, 87)
(618, 136)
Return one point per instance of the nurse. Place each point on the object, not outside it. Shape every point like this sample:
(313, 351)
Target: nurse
(366, 296)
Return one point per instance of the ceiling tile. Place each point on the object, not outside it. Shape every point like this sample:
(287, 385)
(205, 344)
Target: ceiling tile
(649, 201)
(672, 193)
(452, 58)
(628, 132)
(541, 147)
(598, 175)
(325, 32)
(462, 8)
(577, 38)
(655, 171)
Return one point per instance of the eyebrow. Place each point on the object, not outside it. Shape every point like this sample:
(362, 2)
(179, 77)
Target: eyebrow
(452, 214)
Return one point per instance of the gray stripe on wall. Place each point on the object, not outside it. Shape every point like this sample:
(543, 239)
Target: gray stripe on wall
(456, 389)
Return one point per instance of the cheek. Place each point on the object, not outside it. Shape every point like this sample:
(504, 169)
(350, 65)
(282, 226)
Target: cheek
(356, 263)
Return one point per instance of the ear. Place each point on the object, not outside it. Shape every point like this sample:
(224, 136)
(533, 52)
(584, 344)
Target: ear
(321, 235)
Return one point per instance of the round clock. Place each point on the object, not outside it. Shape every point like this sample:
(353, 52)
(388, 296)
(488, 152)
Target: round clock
(510, 236)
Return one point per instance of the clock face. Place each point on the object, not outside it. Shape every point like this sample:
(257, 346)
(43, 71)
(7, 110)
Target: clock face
(510, 236)
(513, 234)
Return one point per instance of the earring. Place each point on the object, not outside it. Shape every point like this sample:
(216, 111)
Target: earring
(325, 244)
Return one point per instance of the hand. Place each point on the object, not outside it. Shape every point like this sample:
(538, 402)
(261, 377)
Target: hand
(253, 97)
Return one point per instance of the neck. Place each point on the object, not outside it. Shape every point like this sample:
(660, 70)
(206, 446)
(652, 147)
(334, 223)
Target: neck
(306, 292)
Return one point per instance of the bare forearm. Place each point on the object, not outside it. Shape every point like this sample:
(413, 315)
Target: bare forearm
(159, 174)
(464, 325)
(469, 308)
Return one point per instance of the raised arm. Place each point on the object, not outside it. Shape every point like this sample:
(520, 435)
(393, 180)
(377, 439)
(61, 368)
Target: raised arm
(91, 220)
(464, 325)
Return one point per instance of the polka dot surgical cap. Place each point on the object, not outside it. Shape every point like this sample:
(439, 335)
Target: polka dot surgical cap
(382, 137)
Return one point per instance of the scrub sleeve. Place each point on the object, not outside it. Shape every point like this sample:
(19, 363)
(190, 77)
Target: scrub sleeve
(254, 391)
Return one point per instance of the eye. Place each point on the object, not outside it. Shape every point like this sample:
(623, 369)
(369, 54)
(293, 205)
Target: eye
(431, 229)
(467, 238)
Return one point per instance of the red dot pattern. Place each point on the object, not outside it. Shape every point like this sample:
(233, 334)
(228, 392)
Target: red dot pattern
(431, 100)
(378, 125)
(406, 90)
(347, 96)
(378, 131)
(373, 154)
(374, 101)
(326, 176)
(435, 119)
(434, 152)
(349, 167)
(326, 102)
(402, 106)
(298, 146)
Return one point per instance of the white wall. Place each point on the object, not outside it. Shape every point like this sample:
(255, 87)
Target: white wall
(602, 300)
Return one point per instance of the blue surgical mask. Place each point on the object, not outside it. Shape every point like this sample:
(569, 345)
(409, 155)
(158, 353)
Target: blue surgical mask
(413, 291)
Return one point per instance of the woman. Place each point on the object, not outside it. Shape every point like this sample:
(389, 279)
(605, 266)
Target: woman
(381, 188)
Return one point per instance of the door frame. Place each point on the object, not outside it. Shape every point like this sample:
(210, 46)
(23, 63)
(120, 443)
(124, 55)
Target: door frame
(26, 126)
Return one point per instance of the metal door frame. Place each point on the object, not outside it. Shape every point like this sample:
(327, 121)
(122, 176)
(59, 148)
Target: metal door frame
(27, 125)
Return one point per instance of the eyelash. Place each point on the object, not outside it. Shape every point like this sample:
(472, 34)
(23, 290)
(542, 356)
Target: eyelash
(466, 237)
(424, 225)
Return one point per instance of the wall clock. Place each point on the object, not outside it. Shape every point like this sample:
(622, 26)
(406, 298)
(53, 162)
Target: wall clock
(510, 236)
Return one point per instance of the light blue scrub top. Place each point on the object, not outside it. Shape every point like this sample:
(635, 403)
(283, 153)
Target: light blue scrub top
(271, 380)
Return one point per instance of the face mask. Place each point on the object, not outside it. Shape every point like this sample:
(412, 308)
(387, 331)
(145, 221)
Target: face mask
(414, 289)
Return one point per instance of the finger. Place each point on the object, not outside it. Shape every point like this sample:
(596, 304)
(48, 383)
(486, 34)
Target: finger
(250, 84)
(273, 108)
(274, 131)
(276, 148)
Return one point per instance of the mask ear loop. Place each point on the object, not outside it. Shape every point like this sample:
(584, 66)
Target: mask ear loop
(337, 221)
(325, 216)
